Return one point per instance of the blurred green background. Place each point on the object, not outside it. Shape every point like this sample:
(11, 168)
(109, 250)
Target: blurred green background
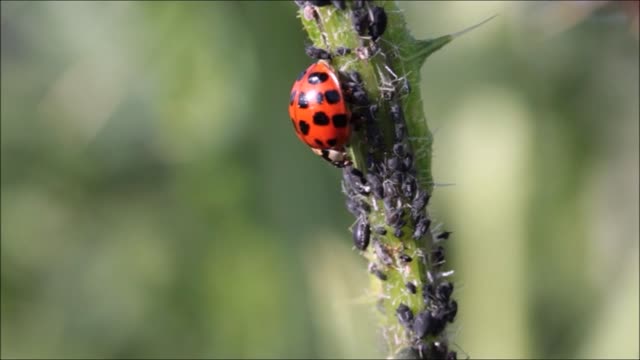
(156, 202)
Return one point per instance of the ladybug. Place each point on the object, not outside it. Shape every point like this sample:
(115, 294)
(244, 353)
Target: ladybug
(319, 113)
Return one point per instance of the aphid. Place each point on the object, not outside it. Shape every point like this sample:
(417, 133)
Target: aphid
(342, 51)
(355, 77)
(387, 92)
(407, 162)
(378, 23)
(437, 255)
(407, 353)
(444, 235)
(357, 173)
(409, 187)
(375, 184)
(380, 230)
(364, 205)
(399, 149)
(393, 163)
(394, 217)
(422, 350)
(400, 223)
(309, 12)
(420, 201)
(361, 234)
(421, 227)
(435, 350)
(405, 315)
(422, 323)
(373, 269)
(317, 53)
(389, 189)
(319, 2)
(411, 287)
(443, 291)
(373, 110)
(452, 311)
(428, 292)
(340, 4)
(440, 349)
(358, 4)
(405, 258)
(374, 137)
(396, 113)
(406, 87)
(359, 96)
(400, 131)
(319, 113)
(363, 53)
(355, 179)
(427, 324)
(360, 20)
(353, 206)
(398, 233)
(382, 253)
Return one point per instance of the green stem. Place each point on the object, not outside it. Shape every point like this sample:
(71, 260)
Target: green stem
(395, 64)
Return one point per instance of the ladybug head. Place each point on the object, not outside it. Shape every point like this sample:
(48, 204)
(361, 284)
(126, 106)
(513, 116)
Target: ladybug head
(337, 158)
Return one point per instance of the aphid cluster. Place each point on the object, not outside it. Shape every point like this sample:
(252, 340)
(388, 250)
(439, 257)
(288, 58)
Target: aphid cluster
(326, 106)
(440, 308)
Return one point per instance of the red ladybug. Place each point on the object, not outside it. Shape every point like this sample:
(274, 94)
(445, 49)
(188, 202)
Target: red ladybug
(319, 113)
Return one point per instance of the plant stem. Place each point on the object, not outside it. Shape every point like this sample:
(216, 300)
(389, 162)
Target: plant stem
(405, 256)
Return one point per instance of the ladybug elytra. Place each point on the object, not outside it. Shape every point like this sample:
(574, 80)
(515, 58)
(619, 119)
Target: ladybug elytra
(319, 113)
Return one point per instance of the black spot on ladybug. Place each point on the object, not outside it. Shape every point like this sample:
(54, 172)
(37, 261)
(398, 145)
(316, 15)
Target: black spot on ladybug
(303, 103)
(304, 127)
(319, 142)
(340, 120)
(319, 98)
(332, 142)
(332, 96)
(320, 118)
(301, 75)
(317, 77)
(292, 97)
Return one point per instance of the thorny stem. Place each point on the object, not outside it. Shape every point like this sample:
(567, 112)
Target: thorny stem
(390, 189)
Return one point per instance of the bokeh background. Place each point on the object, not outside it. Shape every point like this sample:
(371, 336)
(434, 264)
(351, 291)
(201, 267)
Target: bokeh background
(156, 203)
